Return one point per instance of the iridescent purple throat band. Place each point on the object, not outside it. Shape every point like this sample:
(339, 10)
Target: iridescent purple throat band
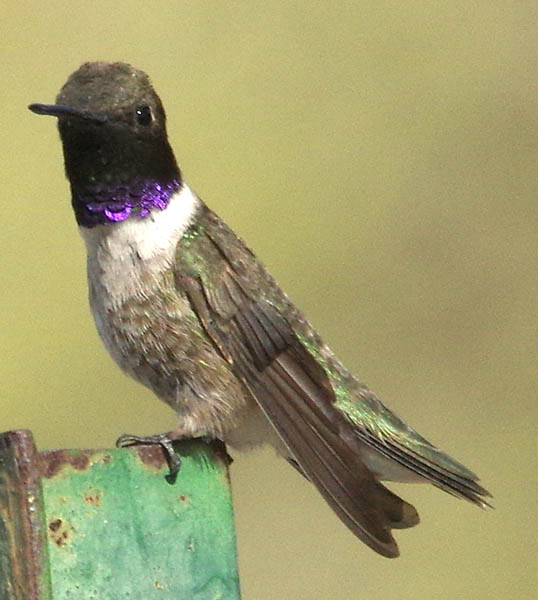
(122, 202)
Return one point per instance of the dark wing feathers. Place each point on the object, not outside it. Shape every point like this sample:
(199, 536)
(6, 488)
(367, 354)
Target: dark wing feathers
(259, 342)
(448, 480)
(342, 480)
(293, 390)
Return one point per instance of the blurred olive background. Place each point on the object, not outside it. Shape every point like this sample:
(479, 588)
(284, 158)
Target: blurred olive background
(381, 157)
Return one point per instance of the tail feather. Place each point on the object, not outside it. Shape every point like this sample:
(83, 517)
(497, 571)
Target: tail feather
(400, 513)
(368, 508)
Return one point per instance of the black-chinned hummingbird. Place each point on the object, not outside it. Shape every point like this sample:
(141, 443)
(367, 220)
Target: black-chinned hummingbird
(186, 308)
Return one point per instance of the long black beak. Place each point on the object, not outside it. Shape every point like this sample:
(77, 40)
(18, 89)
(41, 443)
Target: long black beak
(59, 110)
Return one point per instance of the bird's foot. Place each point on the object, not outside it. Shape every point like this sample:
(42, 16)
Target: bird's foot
(164, 441)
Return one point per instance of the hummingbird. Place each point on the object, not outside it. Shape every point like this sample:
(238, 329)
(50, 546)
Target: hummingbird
(185, 308)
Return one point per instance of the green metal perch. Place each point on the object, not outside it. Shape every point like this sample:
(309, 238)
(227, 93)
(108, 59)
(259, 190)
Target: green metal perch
(105, 524)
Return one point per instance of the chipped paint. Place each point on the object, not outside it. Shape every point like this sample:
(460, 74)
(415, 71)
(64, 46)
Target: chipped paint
(92, 517)
(53, 461)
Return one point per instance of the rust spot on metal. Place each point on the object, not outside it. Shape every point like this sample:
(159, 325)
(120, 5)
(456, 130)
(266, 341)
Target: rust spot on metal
(151, 455)
(60, 532)
(55, 525)
(219, 448)
(51, 462)
(221, 454)
(80, 462)
(93, 496)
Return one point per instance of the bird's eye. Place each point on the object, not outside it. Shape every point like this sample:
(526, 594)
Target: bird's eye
(144, 116)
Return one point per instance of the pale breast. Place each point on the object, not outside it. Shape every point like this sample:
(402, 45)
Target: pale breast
(148, 326)
(126, 259)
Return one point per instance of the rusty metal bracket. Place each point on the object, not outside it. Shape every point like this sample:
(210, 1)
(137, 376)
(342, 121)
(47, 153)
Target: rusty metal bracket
(107, 524)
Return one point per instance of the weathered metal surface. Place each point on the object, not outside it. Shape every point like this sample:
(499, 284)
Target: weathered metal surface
(115, 528)
(23, 562)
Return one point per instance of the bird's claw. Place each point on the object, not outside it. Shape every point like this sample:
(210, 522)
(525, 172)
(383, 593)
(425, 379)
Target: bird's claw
(161, 439)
